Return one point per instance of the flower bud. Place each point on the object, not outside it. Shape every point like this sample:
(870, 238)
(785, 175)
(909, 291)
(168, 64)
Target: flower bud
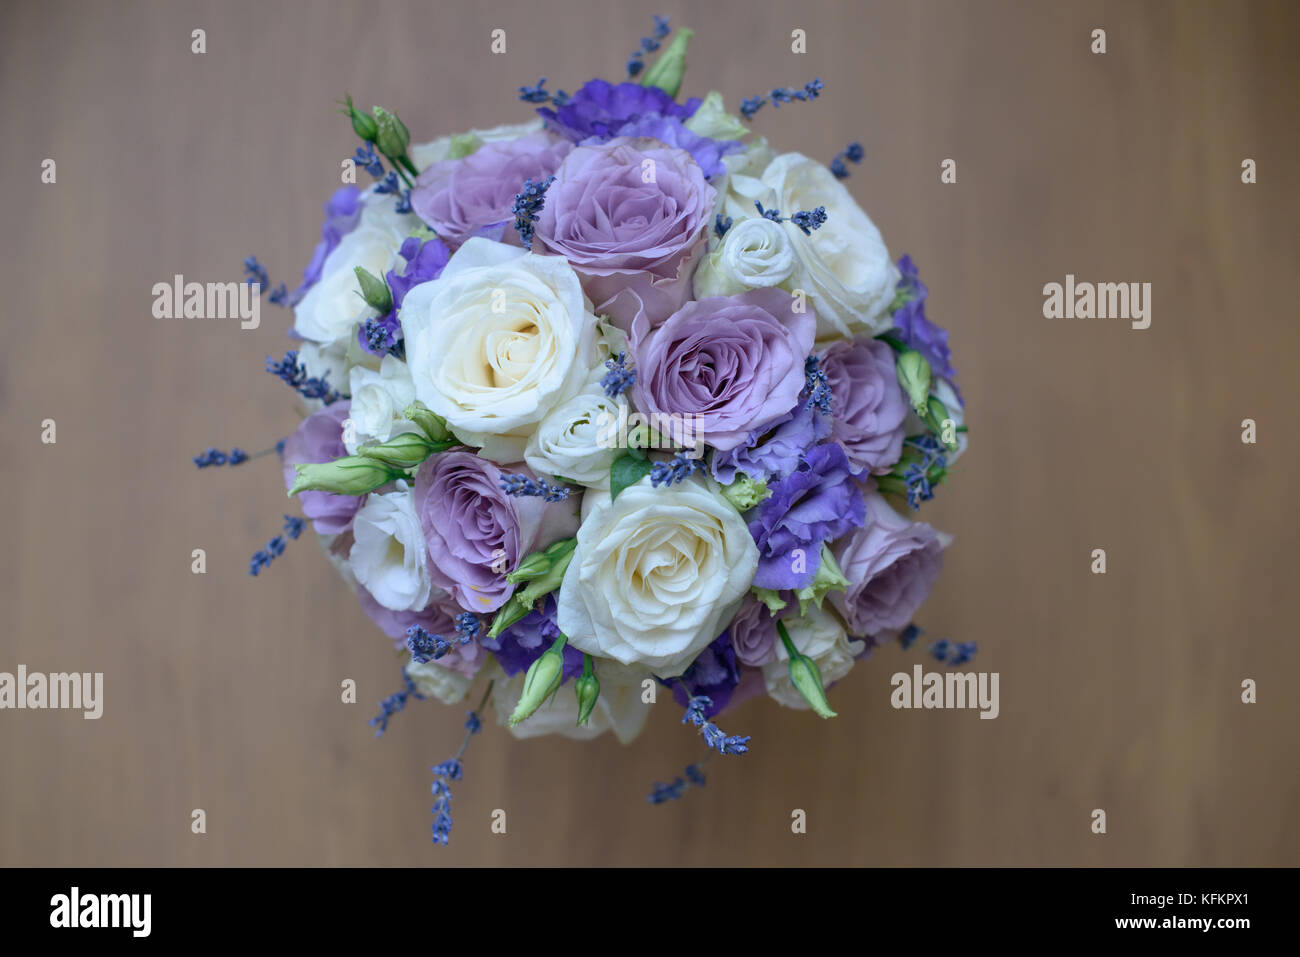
(374, 291)
(587, 688)
(362, 124)
(668, 70)
(545, 570)
(805, 676)
(829, 577)
(935, 417)
(434, 425)
(403, 451)
(352, 475)
(744, 493)
(542, 680)
(914, 377)
(392, 138)
(514, 609)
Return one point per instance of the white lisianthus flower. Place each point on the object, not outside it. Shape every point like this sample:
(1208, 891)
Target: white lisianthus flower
(332, 308)
(378, 399)
(754, 253)
(496, 342)
(843, 267)
(821, 637)
(575, 441)
(944, 391)
(437, 681)
(656, 574)
(389, 556)
(619, 707)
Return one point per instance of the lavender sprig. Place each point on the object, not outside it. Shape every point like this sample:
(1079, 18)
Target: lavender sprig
(635, 63)
(679, 469)
(453, 770)
(294, 374)
(853, 153)
(539, 94)
(714, 737)
(811, 90)
(528, 206)
(619, 378)
(275, 547)
(520, 484)
(806, 220)
(394, 703)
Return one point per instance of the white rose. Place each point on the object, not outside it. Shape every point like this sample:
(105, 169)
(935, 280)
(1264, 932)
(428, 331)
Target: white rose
(435, 151)
(741, 186)
(656, 574)
(754, 253)
(844, 266)
(378, 399)
(496, 342)
(574, 440)
(332, 308)
(388, 554)
(435, 681)
(619, 707)
(821, 637)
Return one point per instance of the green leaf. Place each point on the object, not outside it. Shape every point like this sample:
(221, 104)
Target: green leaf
(627, 470)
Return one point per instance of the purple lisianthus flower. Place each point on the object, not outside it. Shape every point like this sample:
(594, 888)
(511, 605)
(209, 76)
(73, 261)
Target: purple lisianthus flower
(917, 331)
(475, 532)
(670, 130)
(342, 213)
(319, 438)
(867, 403)
(714, 673)
(775, 449)
(437, 619)
(526, 640)
(473, 195)
(817, 502)
(602, 109)
(634, 244)
(722, 365)
(891, 564)
(753, 633)
(425, 259)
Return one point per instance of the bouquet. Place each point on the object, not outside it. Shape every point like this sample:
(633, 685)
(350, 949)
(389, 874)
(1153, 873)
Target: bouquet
(614, 405)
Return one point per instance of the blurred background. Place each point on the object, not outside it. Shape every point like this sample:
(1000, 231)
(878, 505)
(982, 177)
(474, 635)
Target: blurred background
(1119, 691)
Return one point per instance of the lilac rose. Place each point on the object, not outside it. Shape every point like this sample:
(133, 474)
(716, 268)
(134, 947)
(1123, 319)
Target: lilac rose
(475, 532)
(437, 619)
(319, 438)
(891, 564)
(732, 363)
(473, 195)
(753, 634)
(817, 502)
(631, 216)
(867, 403)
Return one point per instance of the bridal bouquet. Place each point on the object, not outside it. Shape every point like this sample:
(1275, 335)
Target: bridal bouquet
(614, 404)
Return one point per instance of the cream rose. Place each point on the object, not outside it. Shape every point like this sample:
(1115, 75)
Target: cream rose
(821, 637)
(844, 266)
(496, 342)
(438, 681)
(573, 441)
(753, 253)
(378, 400)
(656, 574)
(388, 553)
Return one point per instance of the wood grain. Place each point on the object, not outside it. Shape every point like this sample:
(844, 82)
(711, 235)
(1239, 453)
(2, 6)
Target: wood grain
(1119, 691)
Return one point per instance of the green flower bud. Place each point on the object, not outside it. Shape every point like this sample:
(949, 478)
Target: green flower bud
(362, 124)
(669, 69)
(353, 475)
(935, 417)
(744, 493)
(829, 578)
(587, 688)
(392, 137)
(434, 425)
(771, 598)
(509, 613)
(805, 675)
(711, 119)
(462, 144)
(545, 570)
(542, 680)
(914, 377)
(403, 451)
(374, 290)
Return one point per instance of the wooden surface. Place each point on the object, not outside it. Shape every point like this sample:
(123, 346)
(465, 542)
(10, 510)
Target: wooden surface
(1119, 692)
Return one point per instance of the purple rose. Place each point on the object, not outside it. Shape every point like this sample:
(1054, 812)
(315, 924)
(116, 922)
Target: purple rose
(891, 564)
(527, 639)
(918, 332)
(319, 438)
(472, 196)
(817, 502)
(436, 619)
(601, 109)
(775, 449)
(731, 362)
(867, 403)
(342, 213)
(475, 532)
(634, 244)
(753, 634)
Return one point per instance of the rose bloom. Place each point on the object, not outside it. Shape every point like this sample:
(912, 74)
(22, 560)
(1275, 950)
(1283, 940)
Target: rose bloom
(473, 195)
(319, 438)
(753, 253)
(496, 342)
(891, 564)
(753, 633)
(631, 216)
(572, 441)
(734, 362)
(843, 266)
(867, 403)
(388, 555)
(476, 533)
(656, 575)
(378, 399)
(821, 637)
